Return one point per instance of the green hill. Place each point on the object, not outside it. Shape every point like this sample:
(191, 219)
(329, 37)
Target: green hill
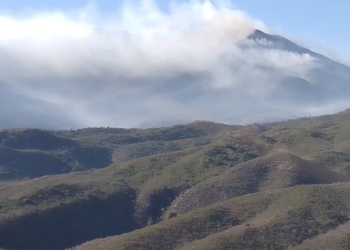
(268, 173)
(196, 186)
(79, 150)
(267, 220)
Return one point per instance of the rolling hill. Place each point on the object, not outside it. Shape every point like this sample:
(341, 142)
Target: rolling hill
(203, 185)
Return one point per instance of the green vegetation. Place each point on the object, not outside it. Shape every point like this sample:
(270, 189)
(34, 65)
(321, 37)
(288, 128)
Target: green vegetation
(31, 153)
(268, 220)
(196, 186)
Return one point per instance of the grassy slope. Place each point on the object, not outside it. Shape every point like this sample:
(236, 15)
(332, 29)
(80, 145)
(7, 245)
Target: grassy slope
(189, 167)
(297, 215)
(270, 172)
(268, 220)
(336, 239)
(324, 139)
(31, 153)
(152, 182)
(187, 228)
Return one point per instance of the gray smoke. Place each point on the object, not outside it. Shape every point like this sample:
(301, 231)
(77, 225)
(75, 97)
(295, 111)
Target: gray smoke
(142, 67)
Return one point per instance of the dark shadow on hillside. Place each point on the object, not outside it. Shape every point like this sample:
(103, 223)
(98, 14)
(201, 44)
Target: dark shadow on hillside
(70, 225)
(159, 202)
(93, 157)
(34, 139)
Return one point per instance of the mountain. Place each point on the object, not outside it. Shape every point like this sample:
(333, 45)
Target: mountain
(263, 77)
(200, 185)
(328, 81)
(203, 185)
(282, 43)
(18, 110)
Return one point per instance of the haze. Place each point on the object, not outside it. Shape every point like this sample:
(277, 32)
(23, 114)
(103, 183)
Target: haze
(142, 67)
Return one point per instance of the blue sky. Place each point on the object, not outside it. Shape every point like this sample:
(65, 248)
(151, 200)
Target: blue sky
(322, 24)
(325, 22)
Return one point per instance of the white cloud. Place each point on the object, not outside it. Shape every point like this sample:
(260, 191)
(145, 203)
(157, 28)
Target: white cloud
(142, 66)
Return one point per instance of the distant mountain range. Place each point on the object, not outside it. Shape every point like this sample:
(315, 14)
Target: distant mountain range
(18, 110)
(266, 93)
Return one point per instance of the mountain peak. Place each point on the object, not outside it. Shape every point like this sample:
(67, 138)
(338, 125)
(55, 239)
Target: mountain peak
(279, 41)
(282, 43)
(258, 33)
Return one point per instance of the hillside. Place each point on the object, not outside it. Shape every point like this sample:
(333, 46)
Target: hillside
(268, 220)
(31, 153)
(197, 186)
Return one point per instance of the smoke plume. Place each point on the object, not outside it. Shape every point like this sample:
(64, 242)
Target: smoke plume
(141, 67)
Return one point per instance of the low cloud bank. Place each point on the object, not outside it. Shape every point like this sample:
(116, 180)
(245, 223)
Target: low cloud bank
(142, 67)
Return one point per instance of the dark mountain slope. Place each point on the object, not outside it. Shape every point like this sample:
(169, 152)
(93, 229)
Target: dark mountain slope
(282, 43)
(34, 139)
(324, 83)
(32, 153)
(70, 223)
(16, 164)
